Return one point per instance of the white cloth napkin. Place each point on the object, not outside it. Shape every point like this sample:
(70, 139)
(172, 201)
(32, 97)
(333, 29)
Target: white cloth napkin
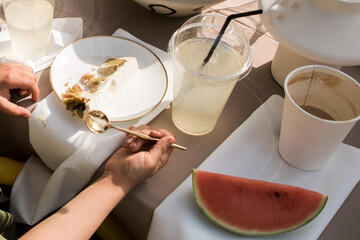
(64, 31)
(70, 154)
(251, 151)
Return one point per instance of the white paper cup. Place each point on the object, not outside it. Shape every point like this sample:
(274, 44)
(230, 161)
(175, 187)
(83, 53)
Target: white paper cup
(307, 140)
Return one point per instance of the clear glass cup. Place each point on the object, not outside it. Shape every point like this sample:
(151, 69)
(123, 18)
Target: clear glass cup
(29, 23)
(201, 91)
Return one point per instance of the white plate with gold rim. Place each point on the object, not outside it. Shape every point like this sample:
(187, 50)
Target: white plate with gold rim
(138, 98)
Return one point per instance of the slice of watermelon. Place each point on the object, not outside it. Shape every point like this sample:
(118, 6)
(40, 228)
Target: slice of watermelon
(253, 207)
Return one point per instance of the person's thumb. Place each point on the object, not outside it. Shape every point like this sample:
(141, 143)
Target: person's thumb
(162, 149)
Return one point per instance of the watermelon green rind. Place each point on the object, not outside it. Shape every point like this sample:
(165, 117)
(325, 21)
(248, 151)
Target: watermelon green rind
(253, 232)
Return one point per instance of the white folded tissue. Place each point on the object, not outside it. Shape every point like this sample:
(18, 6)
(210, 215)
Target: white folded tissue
(64, 31)
(69, 152)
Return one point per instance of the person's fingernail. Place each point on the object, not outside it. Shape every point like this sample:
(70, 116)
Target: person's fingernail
(170, 142)
(155, 132)
(25, 115)
(129, 140)
(133, 144)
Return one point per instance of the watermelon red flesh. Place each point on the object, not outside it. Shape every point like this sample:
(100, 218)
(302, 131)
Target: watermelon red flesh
(253, 207)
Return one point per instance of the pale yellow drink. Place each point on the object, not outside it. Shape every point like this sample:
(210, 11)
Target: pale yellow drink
(29, 23)
(200, 92)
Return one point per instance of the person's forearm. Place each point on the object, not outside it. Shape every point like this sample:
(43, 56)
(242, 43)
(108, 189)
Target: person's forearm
(80, 217)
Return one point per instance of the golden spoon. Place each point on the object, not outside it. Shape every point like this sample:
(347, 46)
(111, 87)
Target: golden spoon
(97, 122)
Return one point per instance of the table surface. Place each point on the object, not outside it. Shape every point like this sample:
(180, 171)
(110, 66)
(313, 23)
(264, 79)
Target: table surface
(135, 211)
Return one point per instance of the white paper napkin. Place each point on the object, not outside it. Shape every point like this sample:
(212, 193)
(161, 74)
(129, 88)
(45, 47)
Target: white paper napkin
(251, 151)
(64, 31)
(69, 153)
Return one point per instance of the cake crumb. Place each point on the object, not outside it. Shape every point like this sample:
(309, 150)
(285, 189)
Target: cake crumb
(40, 117)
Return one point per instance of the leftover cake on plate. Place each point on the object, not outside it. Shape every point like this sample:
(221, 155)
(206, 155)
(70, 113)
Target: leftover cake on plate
(101, 87)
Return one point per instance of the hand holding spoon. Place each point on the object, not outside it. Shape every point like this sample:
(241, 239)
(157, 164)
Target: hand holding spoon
(97, 122)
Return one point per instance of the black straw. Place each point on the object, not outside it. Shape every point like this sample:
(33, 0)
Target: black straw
(227, 21)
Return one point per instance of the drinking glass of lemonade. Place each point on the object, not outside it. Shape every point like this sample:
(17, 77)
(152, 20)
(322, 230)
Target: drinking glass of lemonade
(29, 23)
(201, 90)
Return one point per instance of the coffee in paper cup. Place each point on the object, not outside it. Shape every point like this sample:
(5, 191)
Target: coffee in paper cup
(321, 106)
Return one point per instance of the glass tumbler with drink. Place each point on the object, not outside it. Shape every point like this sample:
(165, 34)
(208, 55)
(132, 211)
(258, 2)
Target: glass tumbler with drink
(201, 90)
(29, 23)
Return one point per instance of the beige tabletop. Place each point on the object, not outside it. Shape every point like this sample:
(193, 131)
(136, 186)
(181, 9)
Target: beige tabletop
(104, 17)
